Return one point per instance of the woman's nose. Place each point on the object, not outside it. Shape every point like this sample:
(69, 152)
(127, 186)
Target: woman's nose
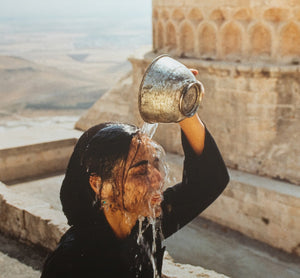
(156, 179)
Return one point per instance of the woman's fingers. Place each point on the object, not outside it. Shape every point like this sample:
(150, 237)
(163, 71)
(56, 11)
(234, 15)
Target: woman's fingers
(194, 71)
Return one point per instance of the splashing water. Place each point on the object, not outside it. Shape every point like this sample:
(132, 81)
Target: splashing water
(140, 241)
(140, 234)
(152, 221)
(149, 129)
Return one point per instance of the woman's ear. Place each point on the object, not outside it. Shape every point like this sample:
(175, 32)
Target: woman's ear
(95, 182)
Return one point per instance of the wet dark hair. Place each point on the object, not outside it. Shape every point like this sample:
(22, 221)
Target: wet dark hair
(97, 151)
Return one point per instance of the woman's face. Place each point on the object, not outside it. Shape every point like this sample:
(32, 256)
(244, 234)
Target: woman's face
(143, 177)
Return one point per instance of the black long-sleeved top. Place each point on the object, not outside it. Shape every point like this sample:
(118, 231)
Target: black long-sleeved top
(95, 251)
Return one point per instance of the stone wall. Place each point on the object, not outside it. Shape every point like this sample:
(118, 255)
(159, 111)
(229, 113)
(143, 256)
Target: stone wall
(238, 30)
(260, 208)
(35, 151)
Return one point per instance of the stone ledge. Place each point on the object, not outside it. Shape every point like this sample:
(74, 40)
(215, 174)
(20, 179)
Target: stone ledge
(261, 208)
(172, 269)
(35, 151)
(30, 220)
(228, 68)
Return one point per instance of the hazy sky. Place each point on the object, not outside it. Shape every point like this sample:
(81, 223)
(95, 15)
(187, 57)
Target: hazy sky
(24, 8)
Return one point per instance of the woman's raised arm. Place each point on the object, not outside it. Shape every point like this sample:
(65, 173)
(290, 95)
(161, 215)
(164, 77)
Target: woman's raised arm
(194, 131)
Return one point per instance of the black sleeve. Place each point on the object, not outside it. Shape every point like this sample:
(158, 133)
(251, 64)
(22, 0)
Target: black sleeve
(204, 179)
(64, 260)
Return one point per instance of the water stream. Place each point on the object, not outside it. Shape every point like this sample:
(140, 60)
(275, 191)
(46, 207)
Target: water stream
(140, 241)
(149, 129)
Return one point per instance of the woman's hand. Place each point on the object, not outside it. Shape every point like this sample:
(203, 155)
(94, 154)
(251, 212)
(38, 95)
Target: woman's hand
(194, 129)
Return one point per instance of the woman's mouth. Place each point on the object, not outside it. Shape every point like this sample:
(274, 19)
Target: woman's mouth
(156, 199)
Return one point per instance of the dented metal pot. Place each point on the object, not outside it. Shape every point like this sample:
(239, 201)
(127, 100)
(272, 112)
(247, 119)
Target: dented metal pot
(169, 92)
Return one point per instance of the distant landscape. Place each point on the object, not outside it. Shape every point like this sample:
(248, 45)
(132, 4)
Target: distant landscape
(62, 65)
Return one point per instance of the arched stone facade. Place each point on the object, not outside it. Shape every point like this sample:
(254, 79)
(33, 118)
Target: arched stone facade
(269, 31)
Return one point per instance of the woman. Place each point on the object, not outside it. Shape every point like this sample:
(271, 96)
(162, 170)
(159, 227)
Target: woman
(112, 197)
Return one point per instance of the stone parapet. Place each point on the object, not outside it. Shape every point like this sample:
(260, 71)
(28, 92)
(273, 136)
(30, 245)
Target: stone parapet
(258, 207)
(30, 220)
(35, 151)
(261, 208)
(228, 30)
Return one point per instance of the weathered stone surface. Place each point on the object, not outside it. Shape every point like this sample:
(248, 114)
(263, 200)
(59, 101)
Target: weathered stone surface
(35, 151)
(172, 269)
(116, 106)
(261, 208)
(29, 219)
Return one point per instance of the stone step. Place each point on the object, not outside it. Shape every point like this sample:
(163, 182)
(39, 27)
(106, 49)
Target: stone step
(261, 208)
(18, 260)
(264, 209)
(35, 151)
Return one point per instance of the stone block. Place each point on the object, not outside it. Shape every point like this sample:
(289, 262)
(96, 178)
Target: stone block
(172, 269)
(116, 108)
(264, 209)
(30, 220)
(35, 151)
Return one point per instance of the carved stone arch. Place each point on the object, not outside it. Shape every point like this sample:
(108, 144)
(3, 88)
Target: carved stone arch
(178, 15)
(244, 14)
(231, 39)
(155, 14)
(207, 39)
(171, 35)
(218, 16)
(160, 34)
(187, 39)
(290, 40)
(276, 14)
(260, 40)
(165, 14)
(195, 15)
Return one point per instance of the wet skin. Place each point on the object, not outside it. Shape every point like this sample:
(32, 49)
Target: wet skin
(139, 181)
(145, 178)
